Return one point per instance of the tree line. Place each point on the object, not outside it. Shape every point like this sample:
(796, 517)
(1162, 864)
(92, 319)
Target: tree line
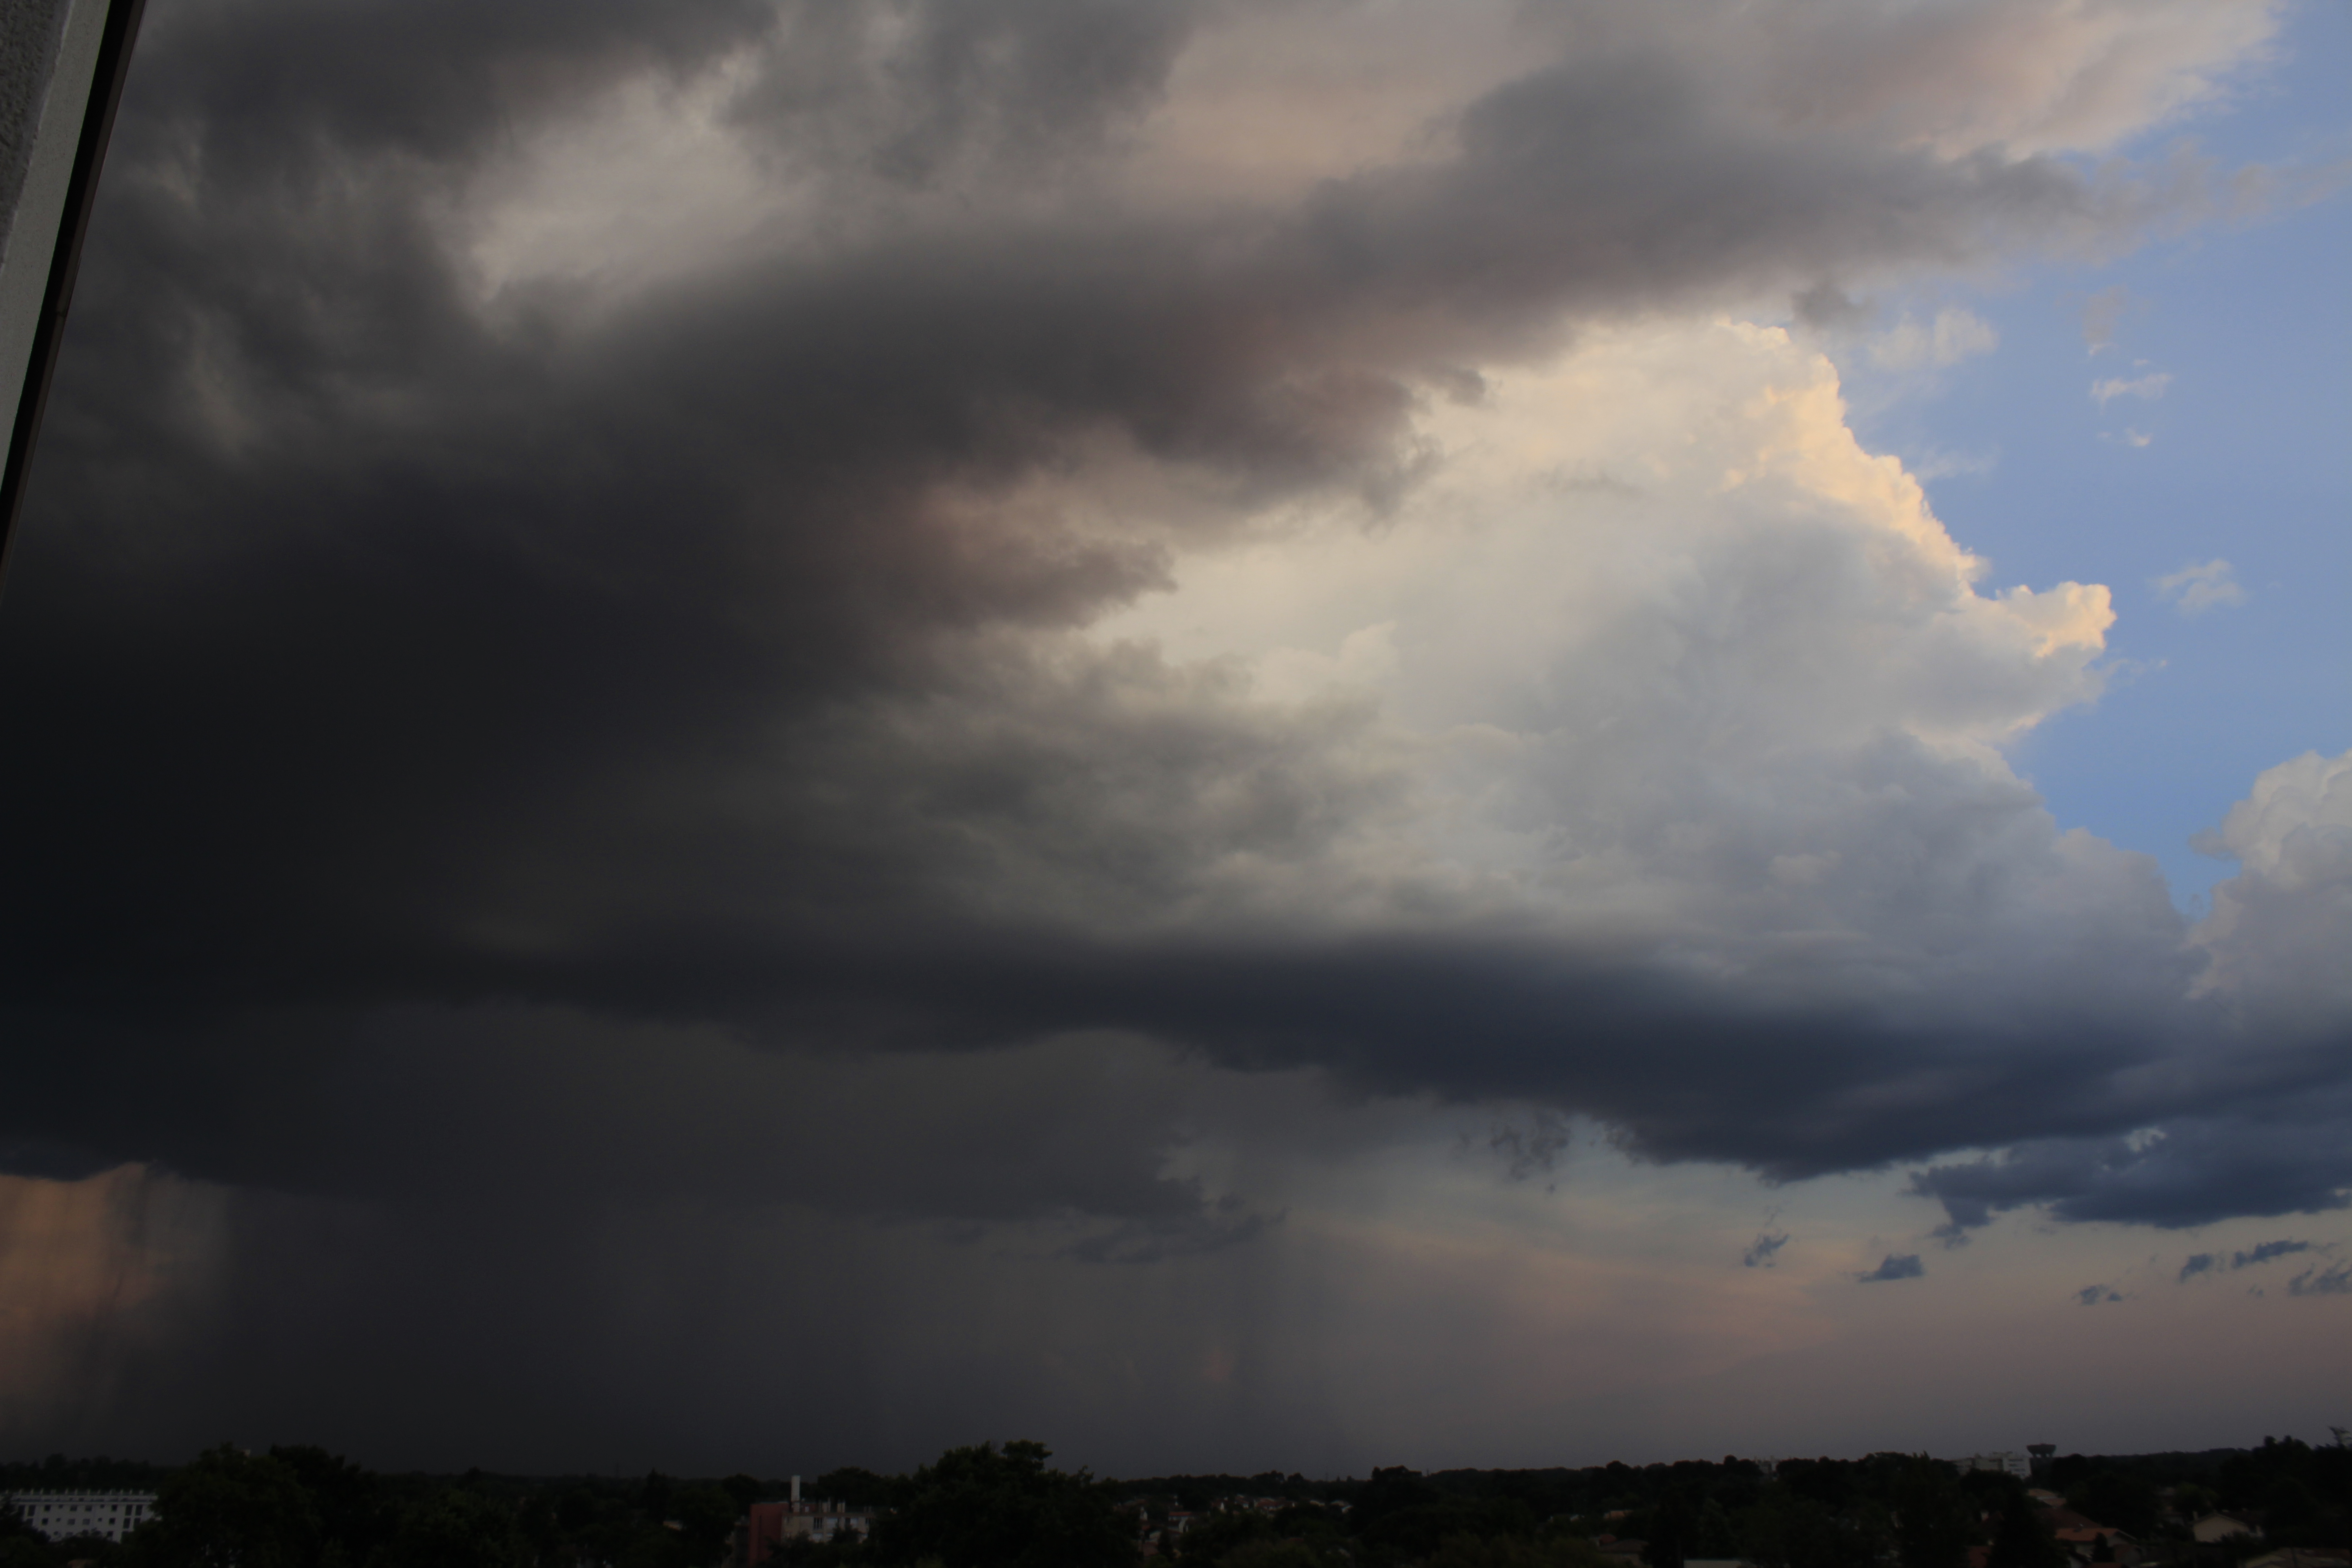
(1008, 1507)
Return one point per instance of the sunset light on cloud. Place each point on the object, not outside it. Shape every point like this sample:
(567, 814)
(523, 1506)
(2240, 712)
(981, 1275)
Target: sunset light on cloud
(1302, 735)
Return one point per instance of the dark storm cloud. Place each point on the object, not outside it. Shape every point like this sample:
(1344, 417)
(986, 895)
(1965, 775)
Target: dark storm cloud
(522, 1333)
(558, 1098)
(576, 800)
(1225, 1223)
(376, 652)
(565, 1109)
(2195, 1171)
(1680, 197)
(957, 85)
(895, 85)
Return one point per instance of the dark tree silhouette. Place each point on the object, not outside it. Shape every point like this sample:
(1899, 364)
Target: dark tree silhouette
(990, 1508)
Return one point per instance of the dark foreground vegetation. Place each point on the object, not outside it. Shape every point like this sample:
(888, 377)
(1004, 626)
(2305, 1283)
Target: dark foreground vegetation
(1007, 1508)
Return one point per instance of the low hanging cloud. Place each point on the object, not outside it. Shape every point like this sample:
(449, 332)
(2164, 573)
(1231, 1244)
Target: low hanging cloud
(2193, 1172)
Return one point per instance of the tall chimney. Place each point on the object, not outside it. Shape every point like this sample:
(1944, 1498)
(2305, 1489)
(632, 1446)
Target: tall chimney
(797, 1491)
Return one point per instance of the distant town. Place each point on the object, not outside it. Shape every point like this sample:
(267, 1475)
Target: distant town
(2287, 1504)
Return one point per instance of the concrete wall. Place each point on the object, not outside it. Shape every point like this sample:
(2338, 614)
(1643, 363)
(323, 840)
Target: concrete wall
(29, 30)
(48, 53)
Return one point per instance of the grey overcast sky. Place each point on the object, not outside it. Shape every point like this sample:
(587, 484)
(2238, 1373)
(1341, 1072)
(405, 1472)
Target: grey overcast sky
(751, 735)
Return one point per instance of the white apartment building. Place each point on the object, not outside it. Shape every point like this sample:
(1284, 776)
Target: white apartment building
(62, 1515)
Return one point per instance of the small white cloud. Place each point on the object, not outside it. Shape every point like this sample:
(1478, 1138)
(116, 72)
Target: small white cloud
(1956, 335)
(2150, 386)
(2127, 438)
(2193, 590)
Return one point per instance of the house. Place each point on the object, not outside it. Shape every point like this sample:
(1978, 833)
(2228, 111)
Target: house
(2302, 1557)
(62, 1515)
(2062, 1518)
(768, 1525)
(2216, 1526)
(2095, 1544)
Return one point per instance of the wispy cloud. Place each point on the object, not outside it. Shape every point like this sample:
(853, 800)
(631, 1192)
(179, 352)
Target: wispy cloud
(2267, 1251)
(1905, 1267)
(2335, 1281)
(2150, 386)
(1946, 465)
(2199, 1263)
(2101, 314)
(1954, 335)
(2097, 1295)
(1535, 1151)
(1764, 1248)
(2196, 588)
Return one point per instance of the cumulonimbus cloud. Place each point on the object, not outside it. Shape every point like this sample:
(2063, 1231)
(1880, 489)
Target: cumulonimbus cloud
(790, 639)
